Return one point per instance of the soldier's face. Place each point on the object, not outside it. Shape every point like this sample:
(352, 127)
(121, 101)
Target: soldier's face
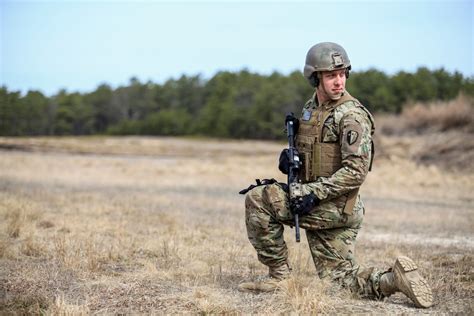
(333, 83)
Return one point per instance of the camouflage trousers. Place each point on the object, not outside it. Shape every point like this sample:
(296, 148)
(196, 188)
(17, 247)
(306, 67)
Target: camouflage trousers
(331, 237)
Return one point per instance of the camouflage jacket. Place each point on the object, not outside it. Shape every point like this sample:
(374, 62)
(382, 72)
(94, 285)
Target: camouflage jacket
(348, 127)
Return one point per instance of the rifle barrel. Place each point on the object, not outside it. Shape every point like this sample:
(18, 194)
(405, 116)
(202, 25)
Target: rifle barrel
(297, 228)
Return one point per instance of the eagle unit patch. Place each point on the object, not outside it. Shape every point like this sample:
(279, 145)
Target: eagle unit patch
(352, 137)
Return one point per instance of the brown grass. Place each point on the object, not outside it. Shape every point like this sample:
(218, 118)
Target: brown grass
(155, 225)
(61, 307)
(437, 133)
(422, 118)
(305, 294)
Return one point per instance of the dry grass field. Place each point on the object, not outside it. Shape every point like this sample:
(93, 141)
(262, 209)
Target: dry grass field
(102, 225)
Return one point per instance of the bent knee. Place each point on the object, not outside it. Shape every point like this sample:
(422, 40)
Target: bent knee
(253, 199)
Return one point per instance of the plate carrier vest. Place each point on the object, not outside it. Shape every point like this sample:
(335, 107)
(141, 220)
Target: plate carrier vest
(324, 159)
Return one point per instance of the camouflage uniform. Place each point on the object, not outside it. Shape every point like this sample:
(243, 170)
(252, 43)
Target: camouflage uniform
(335, 148)
(332, 227)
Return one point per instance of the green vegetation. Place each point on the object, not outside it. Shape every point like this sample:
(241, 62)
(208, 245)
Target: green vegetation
(230, 105)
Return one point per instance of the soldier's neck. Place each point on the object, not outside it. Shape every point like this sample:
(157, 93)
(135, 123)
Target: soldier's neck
(324, 99)
(321, 97)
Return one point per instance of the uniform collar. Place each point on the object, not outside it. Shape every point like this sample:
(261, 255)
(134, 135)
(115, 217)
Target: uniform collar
(331, 104)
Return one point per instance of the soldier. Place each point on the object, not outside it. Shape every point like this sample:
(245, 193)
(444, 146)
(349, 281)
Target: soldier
(334, 141)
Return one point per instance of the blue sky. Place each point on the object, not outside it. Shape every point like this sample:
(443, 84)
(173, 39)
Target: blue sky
(77, 45)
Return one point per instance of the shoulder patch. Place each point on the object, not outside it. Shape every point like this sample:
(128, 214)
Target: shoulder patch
(352, 137)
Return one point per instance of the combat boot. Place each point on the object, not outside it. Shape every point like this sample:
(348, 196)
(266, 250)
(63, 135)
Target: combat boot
(268, 283)
(404, 277)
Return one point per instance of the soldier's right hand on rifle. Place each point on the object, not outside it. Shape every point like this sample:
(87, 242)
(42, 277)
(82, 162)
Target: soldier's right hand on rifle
(284, 161)
(296, 123)
(304, 205)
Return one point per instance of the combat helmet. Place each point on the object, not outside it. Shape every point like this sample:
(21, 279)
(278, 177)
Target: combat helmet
(325, 56)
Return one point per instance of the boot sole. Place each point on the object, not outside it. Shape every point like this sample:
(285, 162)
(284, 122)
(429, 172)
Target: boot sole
(418, 289)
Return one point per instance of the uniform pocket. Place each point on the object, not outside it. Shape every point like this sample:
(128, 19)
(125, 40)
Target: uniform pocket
(273, 193)
(277, 200)
(305, 144)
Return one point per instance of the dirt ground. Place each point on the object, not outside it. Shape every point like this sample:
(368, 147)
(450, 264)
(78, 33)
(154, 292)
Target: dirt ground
(132, 225)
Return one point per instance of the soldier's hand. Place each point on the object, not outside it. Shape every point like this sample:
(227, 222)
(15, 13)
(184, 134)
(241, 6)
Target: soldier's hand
(304, 205)
(284, 186)
(291, 118)
(284, 161)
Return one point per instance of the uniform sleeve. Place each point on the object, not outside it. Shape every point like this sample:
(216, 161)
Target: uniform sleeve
(355, 138)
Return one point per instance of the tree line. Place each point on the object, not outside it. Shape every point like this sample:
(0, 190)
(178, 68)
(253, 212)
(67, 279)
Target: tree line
(230, 104)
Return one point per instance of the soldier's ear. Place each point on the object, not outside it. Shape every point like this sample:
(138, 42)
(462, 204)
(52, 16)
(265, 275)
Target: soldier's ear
(314, 80)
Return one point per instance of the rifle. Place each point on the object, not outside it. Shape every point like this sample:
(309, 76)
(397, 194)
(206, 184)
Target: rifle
(294, 183)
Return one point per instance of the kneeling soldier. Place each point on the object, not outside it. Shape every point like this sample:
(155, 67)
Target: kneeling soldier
(335, 145)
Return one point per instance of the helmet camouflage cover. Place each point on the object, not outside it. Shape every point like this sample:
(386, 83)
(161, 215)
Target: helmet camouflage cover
(325, 56)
